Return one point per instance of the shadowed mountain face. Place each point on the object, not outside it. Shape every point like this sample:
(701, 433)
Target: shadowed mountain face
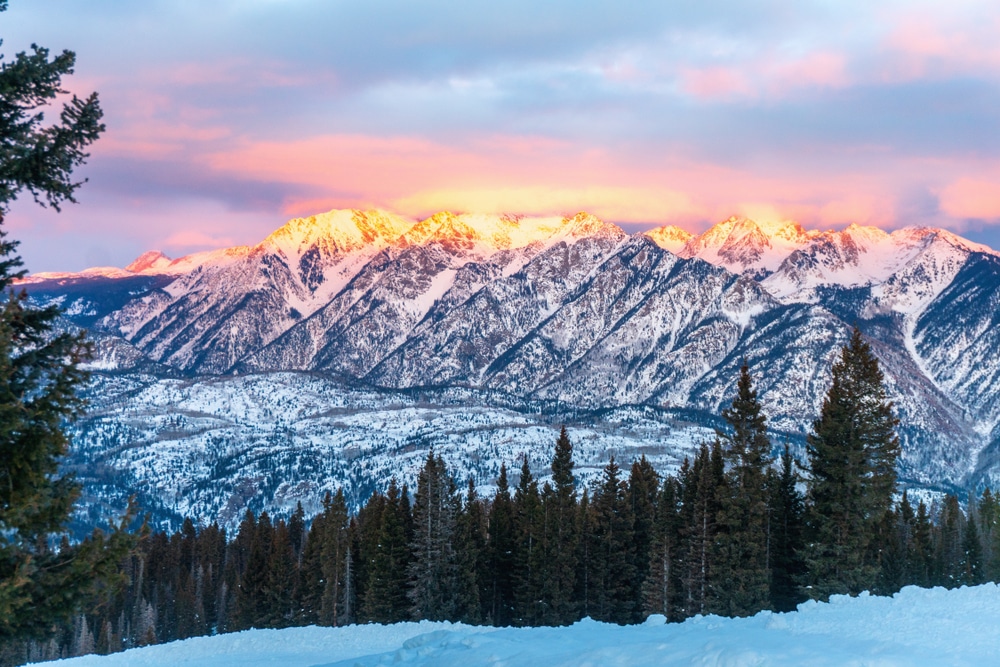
(574, 311)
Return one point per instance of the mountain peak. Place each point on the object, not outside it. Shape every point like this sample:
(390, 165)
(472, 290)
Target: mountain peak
(151, 260)
(338, 231)
(670, 238)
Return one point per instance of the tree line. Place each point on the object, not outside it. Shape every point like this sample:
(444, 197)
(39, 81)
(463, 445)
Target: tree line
(733, 532)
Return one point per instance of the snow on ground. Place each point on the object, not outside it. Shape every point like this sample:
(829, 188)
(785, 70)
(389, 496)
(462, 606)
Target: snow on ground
(915, 627)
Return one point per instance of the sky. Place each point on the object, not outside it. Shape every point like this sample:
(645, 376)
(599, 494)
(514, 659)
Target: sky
(224, 119)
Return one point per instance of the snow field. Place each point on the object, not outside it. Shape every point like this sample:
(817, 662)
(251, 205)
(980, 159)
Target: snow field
(926, 627)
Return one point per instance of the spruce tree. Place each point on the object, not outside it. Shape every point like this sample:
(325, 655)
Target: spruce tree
(559, 538)
(787, 511)
(528, 553)
(501, 554)
(643, 490)
(701, 483)
(852, 461)
(335, 559)
(470, 547)
(39, 368)
(662, 583)
(613, 553)
(385, 595)
(433, 572)
(741, 548)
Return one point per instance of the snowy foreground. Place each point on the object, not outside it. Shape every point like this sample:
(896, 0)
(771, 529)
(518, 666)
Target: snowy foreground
(915, 627)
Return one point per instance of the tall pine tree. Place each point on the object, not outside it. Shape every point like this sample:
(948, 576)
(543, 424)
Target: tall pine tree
(741, 548)
(39, 368)
(852, 460)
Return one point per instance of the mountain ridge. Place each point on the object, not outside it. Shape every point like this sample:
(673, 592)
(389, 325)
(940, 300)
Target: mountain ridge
(571, 311)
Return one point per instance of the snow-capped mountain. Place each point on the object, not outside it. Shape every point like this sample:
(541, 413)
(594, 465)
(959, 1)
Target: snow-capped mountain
(571, 313)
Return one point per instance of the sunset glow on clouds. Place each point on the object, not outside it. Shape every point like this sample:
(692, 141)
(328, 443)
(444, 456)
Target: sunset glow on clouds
(225, 119)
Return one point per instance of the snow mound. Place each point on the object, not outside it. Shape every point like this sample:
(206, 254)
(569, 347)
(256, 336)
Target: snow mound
(914, 627)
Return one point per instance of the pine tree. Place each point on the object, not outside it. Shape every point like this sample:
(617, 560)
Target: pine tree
(643, 490)
(787, 512)
(741, 548)
(501, 554)
(433, 572)
(528, 554)
(282, 575)
(558, 579)
(852, 461)
(662, 583)
(39, 368)
(971, 563)
(948, 558)
(613, 553)
(334, 559)
(251, 597)
(470, 548)
(700, 483)
(385, 598)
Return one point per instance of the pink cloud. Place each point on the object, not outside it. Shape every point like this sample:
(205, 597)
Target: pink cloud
(711, 83)
(971, 198)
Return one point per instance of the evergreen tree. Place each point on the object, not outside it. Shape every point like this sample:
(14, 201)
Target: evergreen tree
(949, 571)
(613, 553)
(558, 579)
(470, 548)
(500, 547)
(282, 575)
(385, 598)
(700, 483)
(585, 569)
(335, 559)
(971, 563)
(39, 368)
(528, 553)
(662, 583)
(787, 512)
(852, 460)
(251, 599)
(433, 572)
(922, 552)
(643, 490)
(741, 548)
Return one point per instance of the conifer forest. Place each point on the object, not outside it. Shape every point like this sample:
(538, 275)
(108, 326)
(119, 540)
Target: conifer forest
(741, 528)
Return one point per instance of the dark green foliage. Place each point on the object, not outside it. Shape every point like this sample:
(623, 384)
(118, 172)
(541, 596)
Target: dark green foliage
(643, 489)
(251, 597)
(852, 459)
(433, 570)
(971, 563)
(701, 483)
(559, 539)
(500, 549)
(335, 603)
(470, 547)
(528, 552)
(786, 518)
(662, 586)
(949, 551)
(613, 550)
(385, 594)
(740, 550)
(39, 369)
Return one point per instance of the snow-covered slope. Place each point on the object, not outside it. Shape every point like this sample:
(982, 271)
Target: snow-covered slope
(928, 627)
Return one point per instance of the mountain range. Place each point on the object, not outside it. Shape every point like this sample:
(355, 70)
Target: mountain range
(494, 321)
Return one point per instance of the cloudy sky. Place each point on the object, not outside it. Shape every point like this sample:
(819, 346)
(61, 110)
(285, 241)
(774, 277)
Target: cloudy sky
(225, 118)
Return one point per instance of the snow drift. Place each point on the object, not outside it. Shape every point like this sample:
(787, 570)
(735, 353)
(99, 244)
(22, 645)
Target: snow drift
(914, 627)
